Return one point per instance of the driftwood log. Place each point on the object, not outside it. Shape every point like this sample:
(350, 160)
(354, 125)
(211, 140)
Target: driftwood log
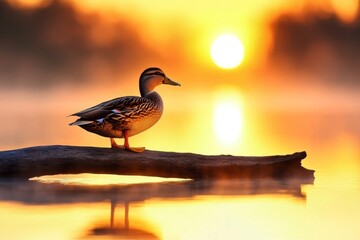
(48, 160)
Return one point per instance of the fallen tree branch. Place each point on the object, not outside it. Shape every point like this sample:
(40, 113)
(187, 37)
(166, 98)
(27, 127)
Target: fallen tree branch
(48, 160)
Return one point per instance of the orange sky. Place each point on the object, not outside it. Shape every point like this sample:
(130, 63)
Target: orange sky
(196, 23)
(199, 24)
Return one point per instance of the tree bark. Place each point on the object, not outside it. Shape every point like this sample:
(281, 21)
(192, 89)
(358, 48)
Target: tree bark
(49, 160)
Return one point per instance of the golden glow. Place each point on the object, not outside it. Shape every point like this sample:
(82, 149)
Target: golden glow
(222, 217)
(62, 222)
(102, 179)
(28, 3)
(347, 10)
(193, 121)
(227, 51)
(228, 119)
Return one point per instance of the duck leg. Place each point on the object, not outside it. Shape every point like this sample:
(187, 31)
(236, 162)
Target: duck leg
(115, 145)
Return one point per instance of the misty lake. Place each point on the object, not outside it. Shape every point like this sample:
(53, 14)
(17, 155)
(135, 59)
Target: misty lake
(225, 209)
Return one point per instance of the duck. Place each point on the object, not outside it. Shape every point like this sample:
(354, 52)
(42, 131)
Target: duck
(127, 116)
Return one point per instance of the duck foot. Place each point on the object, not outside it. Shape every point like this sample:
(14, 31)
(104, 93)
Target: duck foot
(136, 149)
(126, 147)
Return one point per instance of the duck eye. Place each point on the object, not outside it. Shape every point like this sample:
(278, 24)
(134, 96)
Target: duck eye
(159, 73)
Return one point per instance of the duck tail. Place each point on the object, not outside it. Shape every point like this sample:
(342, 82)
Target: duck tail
(80, 122)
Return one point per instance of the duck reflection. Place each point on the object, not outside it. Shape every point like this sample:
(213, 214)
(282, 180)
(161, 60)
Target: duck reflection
(124, 232)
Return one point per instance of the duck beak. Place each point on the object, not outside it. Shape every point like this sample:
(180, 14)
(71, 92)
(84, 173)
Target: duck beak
(170, 82)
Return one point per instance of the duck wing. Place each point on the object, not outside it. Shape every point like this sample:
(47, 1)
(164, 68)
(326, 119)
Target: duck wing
(110, 109)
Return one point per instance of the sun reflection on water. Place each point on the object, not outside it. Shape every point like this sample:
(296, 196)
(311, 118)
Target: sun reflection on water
(228, 118)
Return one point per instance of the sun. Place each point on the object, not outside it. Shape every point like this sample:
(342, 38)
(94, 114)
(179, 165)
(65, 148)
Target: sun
(227, 51)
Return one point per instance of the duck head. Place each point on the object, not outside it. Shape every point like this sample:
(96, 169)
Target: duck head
(152, 77)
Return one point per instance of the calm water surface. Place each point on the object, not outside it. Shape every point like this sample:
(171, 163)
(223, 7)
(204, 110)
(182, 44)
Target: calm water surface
(327, 208)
